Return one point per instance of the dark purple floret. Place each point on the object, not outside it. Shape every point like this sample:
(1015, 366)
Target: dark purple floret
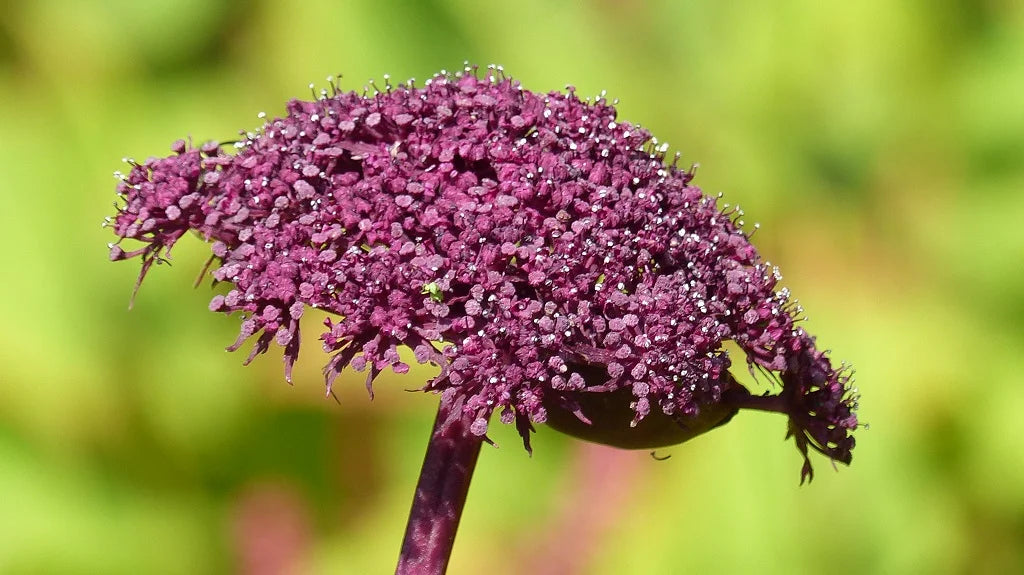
(522, 242)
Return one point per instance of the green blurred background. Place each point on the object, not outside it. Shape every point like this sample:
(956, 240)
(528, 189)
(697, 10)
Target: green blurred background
(880, 144)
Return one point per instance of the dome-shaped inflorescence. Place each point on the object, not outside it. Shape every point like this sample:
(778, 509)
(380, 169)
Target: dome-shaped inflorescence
(532, 245)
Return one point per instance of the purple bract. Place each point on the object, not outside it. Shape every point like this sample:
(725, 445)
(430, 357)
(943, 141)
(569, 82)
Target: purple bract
(522, 242)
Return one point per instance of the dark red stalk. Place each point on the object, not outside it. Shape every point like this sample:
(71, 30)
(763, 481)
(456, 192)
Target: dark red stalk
(440, 494)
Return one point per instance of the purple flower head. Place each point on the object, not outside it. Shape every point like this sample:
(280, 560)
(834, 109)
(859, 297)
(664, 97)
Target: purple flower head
(537, 249)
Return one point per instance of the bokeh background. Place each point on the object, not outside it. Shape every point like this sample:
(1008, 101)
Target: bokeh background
(880, 144)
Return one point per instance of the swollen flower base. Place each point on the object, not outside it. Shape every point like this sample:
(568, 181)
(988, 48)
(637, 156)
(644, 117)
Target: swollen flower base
(539, 251)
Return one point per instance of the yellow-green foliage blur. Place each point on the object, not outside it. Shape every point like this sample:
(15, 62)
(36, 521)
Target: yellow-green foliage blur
(880, 145)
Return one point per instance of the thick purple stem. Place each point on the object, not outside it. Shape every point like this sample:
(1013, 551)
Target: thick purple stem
(440, 495)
